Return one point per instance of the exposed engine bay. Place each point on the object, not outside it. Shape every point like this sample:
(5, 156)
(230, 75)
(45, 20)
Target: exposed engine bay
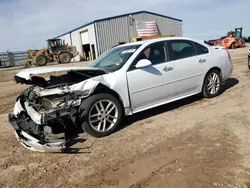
(45, 114)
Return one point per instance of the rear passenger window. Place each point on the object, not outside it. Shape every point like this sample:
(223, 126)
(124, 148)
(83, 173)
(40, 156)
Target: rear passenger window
(180, 49)
(201, 49)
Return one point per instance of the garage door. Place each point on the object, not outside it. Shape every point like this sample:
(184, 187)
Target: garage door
(85, 37)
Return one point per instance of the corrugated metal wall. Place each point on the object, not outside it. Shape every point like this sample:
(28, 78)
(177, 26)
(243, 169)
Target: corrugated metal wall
(111, 32)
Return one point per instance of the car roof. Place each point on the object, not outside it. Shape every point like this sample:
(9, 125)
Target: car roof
(157, 40)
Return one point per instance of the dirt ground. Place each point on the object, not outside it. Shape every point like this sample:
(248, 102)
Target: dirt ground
(194, 142)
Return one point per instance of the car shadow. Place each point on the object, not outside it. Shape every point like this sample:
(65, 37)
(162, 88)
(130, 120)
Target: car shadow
(229, 83)
(71, 150)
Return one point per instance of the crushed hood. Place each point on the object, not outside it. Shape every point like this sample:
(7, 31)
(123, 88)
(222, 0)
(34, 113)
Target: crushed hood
(26, 74)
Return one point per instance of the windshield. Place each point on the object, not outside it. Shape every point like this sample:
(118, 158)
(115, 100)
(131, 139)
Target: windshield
(114, 58)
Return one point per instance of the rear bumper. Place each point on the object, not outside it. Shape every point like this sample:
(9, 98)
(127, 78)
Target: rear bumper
(30, 142)
(227, 72)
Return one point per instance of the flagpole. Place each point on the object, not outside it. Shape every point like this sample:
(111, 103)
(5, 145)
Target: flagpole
(129, 26)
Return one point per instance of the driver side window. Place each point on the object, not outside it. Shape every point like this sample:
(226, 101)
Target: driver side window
(156, 53)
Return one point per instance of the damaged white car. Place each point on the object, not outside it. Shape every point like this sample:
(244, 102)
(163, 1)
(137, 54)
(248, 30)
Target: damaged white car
(124, 80)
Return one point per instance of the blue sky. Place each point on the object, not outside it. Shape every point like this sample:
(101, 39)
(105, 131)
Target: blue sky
(28, 23)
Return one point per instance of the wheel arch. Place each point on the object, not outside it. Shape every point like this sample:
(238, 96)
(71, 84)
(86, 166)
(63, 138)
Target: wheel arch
(213, 68)
(101, 88)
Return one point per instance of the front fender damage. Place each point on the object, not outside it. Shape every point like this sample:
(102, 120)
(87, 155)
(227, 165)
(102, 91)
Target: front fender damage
(42, 132)
(86, 88)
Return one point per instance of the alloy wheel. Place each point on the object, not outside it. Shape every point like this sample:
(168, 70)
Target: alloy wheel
(213, 83)
(103, 115)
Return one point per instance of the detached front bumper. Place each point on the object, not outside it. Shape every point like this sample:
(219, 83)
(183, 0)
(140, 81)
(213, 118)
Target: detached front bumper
(32, 143)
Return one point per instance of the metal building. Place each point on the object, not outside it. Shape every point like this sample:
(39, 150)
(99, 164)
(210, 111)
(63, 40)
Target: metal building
(94, 38)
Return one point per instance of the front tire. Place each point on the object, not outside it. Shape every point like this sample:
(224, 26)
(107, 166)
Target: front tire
(41, 60)
(100, 115)
(212, 84)
(28, 63)
(248, 62)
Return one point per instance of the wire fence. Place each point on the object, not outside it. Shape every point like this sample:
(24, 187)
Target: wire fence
(11, 59)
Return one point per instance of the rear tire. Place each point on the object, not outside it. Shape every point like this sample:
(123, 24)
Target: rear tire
(94, 114)
(212, 84)
(41, 60)
(233, 46)
(65, 57)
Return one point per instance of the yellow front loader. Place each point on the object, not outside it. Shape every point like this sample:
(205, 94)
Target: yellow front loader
(56, 52)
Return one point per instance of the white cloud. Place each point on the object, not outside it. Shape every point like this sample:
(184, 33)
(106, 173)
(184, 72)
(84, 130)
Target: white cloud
(28, 23)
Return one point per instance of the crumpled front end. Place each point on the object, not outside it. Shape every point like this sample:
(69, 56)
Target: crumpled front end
(32, 143)
(37, 131)
(45, 115)
(45, 119)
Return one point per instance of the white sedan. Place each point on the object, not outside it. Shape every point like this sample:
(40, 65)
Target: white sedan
(125, 80)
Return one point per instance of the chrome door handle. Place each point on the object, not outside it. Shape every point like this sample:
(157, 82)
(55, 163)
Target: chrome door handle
(166, 69)
(202, 60)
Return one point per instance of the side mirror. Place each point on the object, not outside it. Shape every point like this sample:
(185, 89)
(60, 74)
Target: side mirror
(143, 63)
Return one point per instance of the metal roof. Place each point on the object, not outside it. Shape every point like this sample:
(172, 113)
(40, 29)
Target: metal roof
(118, 16)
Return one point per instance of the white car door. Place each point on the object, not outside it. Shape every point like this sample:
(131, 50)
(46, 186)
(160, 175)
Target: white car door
(190, 65)
(153, 84)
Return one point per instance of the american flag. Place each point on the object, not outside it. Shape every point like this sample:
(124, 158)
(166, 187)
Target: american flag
(146, 28)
